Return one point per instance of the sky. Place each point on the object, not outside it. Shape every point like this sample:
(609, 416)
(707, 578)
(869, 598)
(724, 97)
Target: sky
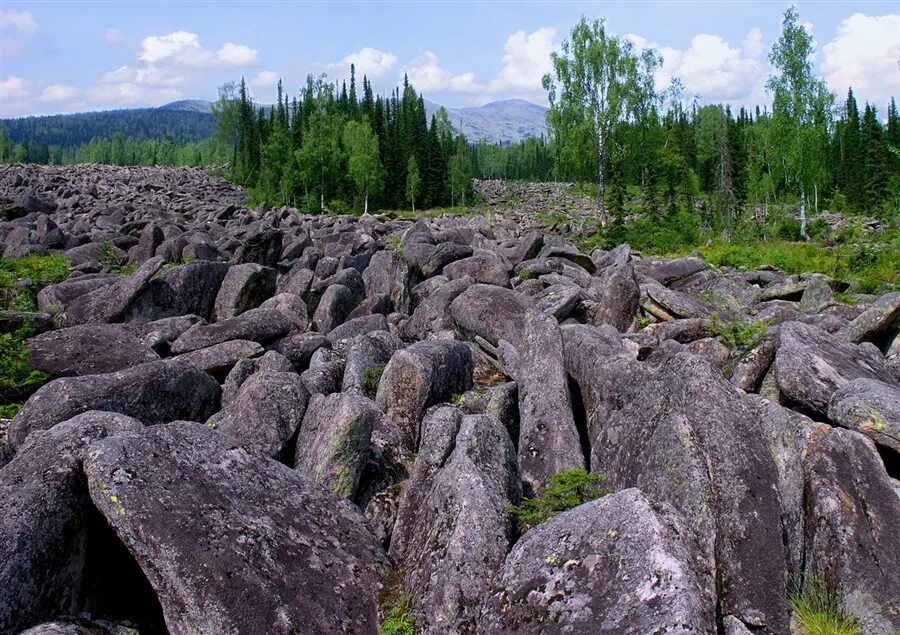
(69, 56)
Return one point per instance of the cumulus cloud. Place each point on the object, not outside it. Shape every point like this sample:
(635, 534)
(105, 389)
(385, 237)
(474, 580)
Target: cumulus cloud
(370, 62)
(182, 48)
(13, 87)
(526, 59)
(264, 80)
(20, 20)
(58, 92)
(426, 74)
(865, 55)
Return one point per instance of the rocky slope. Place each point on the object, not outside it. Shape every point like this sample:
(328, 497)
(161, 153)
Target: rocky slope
(283, 423)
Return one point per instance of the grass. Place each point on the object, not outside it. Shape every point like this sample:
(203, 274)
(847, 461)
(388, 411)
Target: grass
(398, 621)
(394, 243)
(570, 488)
(17, 379)
(738, 334)
(818, 610)
(8, 411)
(372, 378)
(41, 270)
(526, 274)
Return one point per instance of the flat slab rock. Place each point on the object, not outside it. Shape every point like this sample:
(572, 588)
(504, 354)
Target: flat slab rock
(88, 350)
(232, 542)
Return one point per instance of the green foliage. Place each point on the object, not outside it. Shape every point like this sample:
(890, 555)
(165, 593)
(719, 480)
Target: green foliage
(818, 609)
(395, 244)
(8, 411)
(570, 488)
(107, 255)
(738, 334)
(17, 379)
(526, 274)
(372, 378)
(41, 270)
(398, 621)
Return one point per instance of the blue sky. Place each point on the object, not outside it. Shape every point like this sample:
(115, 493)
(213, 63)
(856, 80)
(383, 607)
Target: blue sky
(71, 56)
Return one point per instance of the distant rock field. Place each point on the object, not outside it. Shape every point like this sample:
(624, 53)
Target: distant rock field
(259, 421)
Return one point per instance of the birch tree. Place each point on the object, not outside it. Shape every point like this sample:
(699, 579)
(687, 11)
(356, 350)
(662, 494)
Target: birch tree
(363, 161)
(598, 81)
(801, 110)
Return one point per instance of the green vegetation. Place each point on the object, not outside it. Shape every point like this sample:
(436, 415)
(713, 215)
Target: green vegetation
(398, 621)
(372, 378)
(39, 270)
(395, 244)
(107, 255)
(526, 274)
(570, 488)
(738, 334)
(17, 379)
(8, 411)
(818, 609)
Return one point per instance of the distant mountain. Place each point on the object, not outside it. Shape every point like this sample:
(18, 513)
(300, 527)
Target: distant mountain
(188, 120)
(503, 122)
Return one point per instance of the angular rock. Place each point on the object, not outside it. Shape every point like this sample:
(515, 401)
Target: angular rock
(334, 307)
(110, 302)
(449, 567)
(44, 525)
(811, 365)
(186, 289)
(870, 407)
(421, 375)
(155, 392)
(617, 295)
(614, 565)
(333, 444)
(87, 350)
(257, 325)
(879, 324)
(232, 542)
(218, 359)
(433, 313)
(485, 267)
(244, 287)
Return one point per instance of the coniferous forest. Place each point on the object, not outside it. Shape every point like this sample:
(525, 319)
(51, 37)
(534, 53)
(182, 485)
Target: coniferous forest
(345, 149)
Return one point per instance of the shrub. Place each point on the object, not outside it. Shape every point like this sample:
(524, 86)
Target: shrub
(8, 411)
(41, 270)
(818, 609)
(373, 377)
(738, 334)
(399, 621)
(17, 379)
(394, 243)
(570, 488)
(107, 255)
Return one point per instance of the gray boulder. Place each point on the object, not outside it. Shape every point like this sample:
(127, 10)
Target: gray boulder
(811, 365)
(232, 542)
(453, 528)
(419, 376)
(333, 443)
(618, 564)
(265, 414)
(110, 302)
(257, 325)
(617, 295)
(879, 324)
(44, 531)
(219, 359)
(333, 308)
(244, 287)
(870, 407)
(87, 350)
(433, 313)
(155, 392)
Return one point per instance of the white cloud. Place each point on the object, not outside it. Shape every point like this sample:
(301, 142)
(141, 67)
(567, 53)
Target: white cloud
(183, 49)
(237, 55)
(713, 69)
(526, 60)
(20, 20)
(370, 62)
(58, 92)
(13, 87)
(865, 55)
(264, 80)
(426, 74)
(130, 94)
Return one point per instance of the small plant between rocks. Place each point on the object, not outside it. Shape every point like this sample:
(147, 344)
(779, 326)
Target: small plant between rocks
(570, 488)
(399, 621)
(372, 378)
(738, 334)
(819, 610)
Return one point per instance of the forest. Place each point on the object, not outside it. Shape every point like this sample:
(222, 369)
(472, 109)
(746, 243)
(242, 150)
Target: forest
(344, 149)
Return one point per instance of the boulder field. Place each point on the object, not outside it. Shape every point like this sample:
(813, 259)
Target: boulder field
(259, 421)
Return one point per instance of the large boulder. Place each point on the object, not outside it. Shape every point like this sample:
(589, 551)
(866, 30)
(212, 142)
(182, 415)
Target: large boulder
(619, 564)
(679, 412)
(389, 273)
(433, 313)
(870, 407)
(155, 392)
(256, 325)
(87, 350)
(266, 413)
(419, 376)
(811, 365)
(453, 528)
(244, 287)
(617, 295)
(44, 528)
(186, 289)
(333, 444)
(232, 542)
(532, 352)
(110, 302)
(878, 324)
